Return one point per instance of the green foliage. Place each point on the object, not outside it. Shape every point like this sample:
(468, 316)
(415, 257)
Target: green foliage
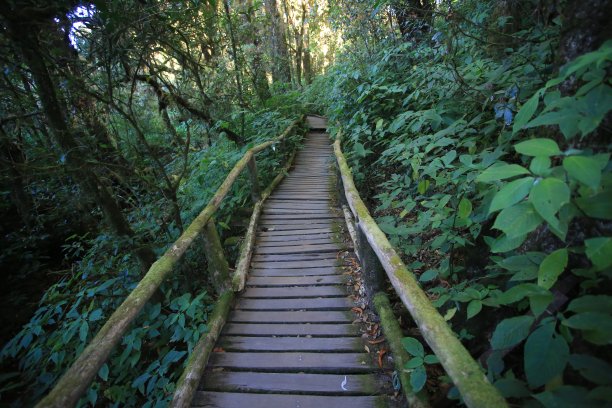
(416, 365)
(496, 187)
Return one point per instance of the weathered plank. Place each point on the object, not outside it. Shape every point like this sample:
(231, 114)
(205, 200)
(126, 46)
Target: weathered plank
(321, 263)
(299, 249)
(243, 400)
(299, 316)
(301, 362)
(291, 344)
(296, 241)
(297, 280)
(328, 303)
(309, 230)
(297, 329)
(308, 271)
(294, 292)
(325, 384)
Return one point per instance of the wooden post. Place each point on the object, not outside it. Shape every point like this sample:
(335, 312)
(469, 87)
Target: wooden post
(372, 271)
(218, 267)
(253, 176)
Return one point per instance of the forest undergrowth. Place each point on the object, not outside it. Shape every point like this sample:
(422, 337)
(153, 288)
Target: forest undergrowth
(485, 158)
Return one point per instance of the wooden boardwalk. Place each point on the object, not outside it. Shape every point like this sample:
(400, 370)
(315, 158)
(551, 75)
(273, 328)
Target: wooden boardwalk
(290, 341)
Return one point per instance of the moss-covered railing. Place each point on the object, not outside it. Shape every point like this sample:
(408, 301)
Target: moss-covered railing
(77, 379)
(462, 369)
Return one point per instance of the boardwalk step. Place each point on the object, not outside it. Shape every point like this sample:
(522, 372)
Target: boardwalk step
(329, 384)
(300, 316)
(295, 344)
(294, 292)
(294, 362)
(331, 303)
(262, 329)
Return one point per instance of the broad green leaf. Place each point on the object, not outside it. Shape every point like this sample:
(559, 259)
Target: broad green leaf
(423, 186)
(596, 327)
(414, 363)
(519, 292)
(465, 208)
(546, 355)
(431, 359)
(103, 372)
(510, 332)
(413, 346)
(518, 220)
(501, 172)
(598, 206)
(540, 166)
(511, 194)
(83, 330)
(539, 303)
(379, 124)
(548, 196)
(599, 251)
(538, 147)
(512, 388)
(565, 396)
(552, 266)
(526, 112)
(418, 377)
(584, 169)
(504, 243)
(473, 308)
(428, 275)
(590, 321)
(591, 303)
(592, 368)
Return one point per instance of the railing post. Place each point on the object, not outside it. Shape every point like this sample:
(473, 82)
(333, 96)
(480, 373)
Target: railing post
(253, 176)
(218, 267)
(373, 273)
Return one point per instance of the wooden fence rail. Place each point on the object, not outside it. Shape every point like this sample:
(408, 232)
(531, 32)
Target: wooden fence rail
(77, 379)
(463, 370)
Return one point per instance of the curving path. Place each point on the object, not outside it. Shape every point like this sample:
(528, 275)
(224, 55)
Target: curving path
(290, 341)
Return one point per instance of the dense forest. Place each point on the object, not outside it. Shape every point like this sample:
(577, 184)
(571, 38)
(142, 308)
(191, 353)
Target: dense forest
(478, 133)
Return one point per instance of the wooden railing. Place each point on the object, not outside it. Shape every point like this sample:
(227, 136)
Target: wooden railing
(462, 369)
(77, 379)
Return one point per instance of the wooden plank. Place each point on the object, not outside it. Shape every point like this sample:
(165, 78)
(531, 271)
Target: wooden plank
(271, 232)
(296, 329)
(302, 197)
(322, 256)
(302, 362)
(205, 399)
(295, 292)
(268, 240)
(322, 384)
(299, 316)
(297, 280)
(322, 263)
(298, 240)
(274, 226)
(298, 249)
(299, 218)
(323, 271)
(330, 303)
(281, 211)
(291, 344)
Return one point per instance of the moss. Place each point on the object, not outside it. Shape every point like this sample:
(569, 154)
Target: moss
(393, 335)
(456, 360)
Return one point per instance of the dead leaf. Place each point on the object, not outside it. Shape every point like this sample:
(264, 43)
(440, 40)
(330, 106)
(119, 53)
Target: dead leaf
(377, 341)
(218, 350)
(381, 354)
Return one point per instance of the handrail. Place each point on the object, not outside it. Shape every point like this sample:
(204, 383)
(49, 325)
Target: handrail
(187, 385)
(463, 370)
(75, 381)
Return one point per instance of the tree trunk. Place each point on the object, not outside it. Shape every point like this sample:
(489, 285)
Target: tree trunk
(278, 44)
(75, 156)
